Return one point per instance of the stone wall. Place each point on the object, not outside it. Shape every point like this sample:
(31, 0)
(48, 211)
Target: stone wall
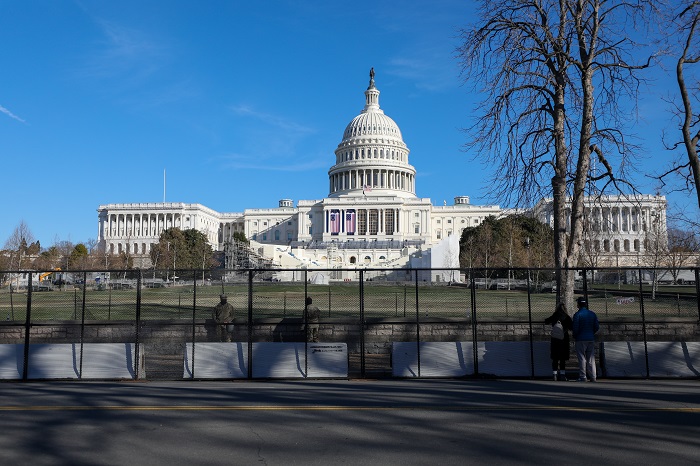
(378, 333)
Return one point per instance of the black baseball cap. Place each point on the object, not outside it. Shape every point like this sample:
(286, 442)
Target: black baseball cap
(582, 301)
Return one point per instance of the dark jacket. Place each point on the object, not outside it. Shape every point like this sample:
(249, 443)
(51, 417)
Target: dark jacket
(586, 325)
(560, 349)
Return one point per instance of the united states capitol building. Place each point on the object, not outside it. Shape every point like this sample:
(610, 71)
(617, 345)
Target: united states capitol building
(371, 217)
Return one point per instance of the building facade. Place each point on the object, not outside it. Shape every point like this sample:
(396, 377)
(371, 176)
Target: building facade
(371, 217)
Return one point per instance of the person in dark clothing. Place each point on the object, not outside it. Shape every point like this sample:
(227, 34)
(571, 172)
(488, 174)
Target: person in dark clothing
(559, 349)
(313, 315)
(223, 316)
(586, 325)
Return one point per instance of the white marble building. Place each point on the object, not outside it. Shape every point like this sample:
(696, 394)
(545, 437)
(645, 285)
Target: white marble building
(618, 230)
(371, 216)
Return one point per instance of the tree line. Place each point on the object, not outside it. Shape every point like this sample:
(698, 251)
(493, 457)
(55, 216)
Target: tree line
(176, 249)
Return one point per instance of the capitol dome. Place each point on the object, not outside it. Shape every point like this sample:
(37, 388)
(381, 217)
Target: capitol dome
(372, 158)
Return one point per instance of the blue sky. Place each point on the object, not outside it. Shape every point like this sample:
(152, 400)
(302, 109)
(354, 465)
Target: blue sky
(242, 103)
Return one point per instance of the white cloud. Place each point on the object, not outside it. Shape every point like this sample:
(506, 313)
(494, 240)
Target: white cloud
(251, 162)
(272, 120)
(433, 74)
(10, 114)
(126, 52)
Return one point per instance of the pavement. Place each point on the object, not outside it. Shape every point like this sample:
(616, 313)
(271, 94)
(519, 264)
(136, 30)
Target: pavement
(356, 422)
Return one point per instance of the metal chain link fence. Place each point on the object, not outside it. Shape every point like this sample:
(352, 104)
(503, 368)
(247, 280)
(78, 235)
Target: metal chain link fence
(161, 315)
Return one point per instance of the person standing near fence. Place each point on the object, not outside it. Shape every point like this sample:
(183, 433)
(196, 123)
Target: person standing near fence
(223, 316)
(313, 316)
(559, 347)
(585, 327)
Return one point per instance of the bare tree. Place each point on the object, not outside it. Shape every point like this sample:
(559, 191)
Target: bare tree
(17, 245)
(687, 23)
(656, 253)
(682, 251)
(553, 74)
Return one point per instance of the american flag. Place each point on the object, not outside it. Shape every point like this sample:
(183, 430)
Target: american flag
(335, 222)
(366, 188)
(350, 222)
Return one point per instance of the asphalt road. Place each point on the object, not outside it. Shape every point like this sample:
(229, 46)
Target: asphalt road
(358, 422)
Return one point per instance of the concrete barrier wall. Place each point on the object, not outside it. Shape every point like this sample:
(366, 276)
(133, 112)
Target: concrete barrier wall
(164, 342)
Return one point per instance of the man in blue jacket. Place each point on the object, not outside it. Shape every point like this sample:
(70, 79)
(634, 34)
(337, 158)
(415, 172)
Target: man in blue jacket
(585, 327)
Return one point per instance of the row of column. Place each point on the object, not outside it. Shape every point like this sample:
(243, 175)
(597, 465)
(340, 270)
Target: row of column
(621, 219)
(359, 154)
(372, 178)
(139, 225)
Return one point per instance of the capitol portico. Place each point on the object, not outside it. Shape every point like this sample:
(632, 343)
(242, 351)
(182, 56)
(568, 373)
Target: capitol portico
(371, 216)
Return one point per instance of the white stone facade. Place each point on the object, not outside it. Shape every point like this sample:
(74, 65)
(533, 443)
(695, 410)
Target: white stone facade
(618, 230)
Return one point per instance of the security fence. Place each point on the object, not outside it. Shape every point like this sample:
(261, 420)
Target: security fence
(146, 324)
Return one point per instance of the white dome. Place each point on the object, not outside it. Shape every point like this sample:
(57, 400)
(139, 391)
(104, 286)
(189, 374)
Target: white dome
(372, 123)
(372, 156)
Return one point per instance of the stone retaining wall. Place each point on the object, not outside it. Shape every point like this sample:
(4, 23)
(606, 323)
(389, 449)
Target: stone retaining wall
(378, 333)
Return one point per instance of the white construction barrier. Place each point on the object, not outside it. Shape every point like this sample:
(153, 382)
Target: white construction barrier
(456, 359)
(270, 360)
(63, 361)
(216, 361)
(666, 359)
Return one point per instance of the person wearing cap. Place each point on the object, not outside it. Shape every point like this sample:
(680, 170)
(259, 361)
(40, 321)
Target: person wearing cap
(223, 315)
(585, 327)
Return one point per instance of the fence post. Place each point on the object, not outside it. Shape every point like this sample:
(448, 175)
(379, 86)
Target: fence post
(194, 316)
(475, 346)
(644, 324)
(250, 323)
(417, 325)
(362, 323)
(529, 318)
(137, 351)
(82, 327)
(27, 327)
(405, 295)
(306, 326)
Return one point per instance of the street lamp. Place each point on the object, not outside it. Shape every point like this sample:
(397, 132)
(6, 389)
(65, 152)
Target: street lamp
(527, 248)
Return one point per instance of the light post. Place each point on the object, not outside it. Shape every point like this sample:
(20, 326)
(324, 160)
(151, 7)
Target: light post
(527, 248)
(167, 275)
(174, 256)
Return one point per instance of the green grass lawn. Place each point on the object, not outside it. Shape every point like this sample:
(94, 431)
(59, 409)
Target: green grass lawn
(275, 300)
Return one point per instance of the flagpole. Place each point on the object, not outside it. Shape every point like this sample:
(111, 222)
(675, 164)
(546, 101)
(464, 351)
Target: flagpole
(164, 185)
